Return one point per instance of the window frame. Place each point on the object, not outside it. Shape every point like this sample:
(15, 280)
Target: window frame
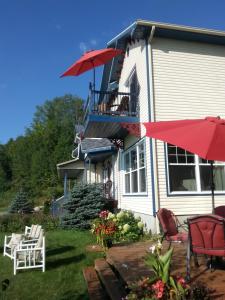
(196, 165)
(128, 151)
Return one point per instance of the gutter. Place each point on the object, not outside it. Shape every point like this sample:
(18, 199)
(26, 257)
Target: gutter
(181, 28)
(151, 117)
(131, 27)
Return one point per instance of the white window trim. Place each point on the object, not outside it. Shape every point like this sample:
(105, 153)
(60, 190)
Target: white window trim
(197, 176)
(138, 175)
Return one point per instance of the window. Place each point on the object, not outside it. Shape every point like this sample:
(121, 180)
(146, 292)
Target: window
(135, 170)
(133, 87)
(189, 173)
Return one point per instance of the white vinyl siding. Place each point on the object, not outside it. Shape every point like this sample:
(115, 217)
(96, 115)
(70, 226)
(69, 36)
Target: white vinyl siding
(136, 60)
(189, 83)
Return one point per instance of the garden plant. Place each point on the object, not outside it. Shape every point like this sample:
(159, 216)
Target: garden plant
(112, 228)
(162, 285)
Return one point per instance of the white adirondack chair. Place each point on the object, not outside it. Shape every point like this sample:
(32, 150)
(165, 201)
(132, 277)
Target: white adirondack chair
(30, 255)
(11, 241)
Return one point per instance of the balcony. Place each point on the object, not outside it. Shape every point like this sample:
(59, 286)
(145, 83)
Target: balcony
(105, 111)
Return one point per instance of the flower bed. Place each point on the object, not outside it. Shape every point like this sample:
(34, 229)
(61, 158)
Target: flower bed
(111, 228)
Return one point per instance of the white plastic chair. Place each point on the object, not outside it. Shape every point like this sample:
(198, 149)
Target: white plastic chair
(30, 255)
(31, 234)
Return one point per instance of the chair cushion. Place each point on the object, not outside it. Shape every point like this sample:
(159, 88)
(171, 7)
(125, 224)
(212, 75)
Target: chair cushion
(207, 235)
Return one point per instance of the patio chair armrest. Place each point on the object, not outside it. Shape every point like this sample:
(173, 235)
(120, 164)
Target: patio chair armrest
(29, 241)
(27, 249)
(21, 245)
(7, 239)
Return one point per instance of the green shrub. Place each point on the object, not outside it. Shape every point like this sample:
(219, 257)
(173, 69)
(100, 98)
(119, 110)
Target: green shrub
(47, 206)
(17, 223)
(21, 204)
(129, 227)
(119, 227)
(86, 202)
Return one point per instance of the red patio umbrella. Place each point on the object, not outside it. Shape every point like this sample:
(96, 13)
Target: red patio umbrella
(204, 137)
(91, 59)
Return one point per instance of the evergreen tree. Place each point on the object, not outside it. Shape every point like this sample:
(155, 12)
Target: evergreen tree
(30, 160)
(21, 204)
(85, 204)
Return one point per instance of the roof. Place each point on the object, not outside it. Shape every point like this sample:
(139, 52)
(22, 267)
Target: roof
(141, 29)
(96, 144)
(71, 168)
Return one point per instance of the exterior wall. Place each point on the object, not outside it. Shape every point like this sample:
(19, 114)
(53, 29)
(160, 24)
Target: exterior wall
(189, 82)
(91, 173)
(140, 204)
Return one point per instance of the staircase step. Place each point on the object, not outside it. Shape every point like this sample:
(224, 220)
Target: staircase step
(112, 285)
(94, 286)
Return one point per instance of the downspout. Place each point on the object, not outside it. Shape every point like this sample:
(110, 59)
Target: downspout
(151, 117)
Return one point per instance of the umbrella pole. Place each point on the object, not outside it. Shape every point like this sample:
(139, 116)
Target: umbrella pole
(212, 186)
(94, 79)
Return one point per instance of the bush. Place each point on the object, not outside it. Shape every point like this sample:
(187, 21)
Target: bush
(17, 223)
(47, 207)
(129, 227)
(119, 227)
(21, 204)
(86, 201)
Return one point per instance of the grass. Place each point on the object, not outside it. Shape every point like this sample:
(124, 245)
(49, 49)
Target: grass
(63, 280)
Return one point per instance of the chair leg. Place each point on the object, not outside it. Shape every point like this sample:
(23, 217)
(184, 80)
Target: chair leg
(188, 267)
(210, 263)
(196, 260)
(169, 245)
(14, 266)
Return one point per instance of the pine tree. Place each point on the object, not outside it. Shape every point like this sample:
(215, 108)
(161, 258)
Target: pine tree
(86, 202)
(21, 204)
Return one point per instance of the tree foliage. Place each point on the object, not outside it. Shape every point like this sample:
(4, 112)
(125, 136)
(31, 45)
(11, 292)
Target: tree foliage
(85, 204)
(21, 203)
(30, 160)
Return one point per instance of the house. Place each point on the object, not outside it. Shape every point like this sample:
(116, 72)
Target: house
(167, 72)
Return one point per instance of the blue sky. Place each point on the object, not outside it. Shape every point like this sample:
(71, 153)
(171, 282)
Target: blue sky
(40, 39)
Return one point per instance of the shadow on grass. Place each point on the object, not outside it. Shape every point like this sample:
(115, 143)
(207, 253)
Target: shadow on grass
(64, 261)
(73, 295)
(59, 250)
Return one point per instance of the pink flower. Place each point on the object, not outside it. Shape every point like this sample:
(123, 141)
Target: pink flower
(181, 281)
(159, 295)
(104, 214)
(158, 287)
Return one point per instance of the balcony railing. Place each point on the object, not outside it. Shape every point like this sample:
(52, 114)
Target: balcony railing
(111, 103)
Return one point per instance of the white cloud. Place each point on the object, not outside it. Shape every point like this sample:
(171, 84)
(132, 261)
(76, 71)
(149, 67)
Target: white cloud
(83, 47)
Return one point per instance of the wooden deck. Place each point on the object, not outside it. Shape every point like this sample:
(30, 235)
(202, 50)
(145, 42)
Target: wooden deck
(128, 265)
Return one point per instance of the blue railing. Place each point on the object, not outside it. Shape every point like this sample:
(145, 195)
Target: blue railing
(57, 208)
(111, 103)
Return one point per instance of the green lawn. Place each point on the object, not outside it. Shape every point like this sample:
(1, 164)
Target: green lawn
(63, 280)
